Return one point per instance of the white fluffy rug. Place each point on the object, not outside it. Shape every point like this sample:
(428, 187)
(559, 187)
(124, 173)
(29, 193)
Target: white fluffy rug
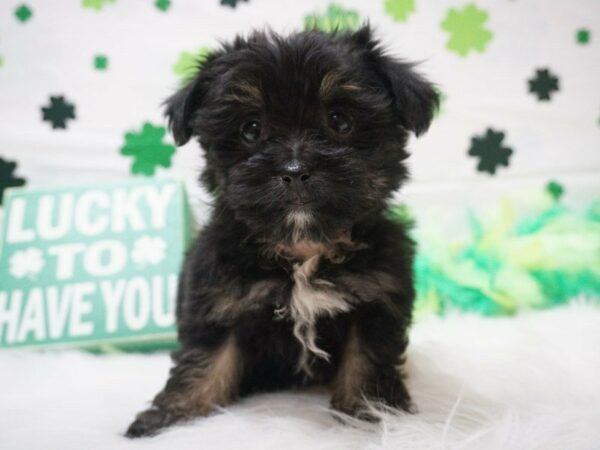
(531, 382)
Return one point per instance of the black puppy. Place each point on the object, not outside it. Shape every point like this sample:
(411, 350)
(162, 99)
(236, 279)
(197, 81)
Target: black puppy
(299, 278)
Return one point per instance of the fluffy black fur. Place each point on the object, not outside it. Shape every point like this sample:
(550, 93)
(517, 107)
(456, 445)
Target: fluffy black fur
(304, 139)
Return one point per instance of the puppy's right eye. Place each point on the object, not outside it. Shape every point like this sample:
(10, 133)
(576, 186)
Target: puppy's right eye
(250, 131)
(339, 122)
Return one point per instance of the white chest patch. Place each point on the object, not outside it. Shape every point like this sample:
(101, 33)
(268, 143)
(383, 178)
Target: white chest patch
(299, 221)
(310, 299)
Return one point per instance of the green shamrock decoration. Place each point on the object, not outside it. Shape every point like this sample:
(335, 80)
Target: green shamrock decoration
(162, 5)
(96, 4)
(401, 213)
(101, 62)
(7, 176)
(490, 151)
(23, 13)
(335, 18)
(583, 36)
(555, 190)
(231, 3)
(544, 84)
(58, 112)
(440, 106)
(466, 28)
(188, 64)
(399, 10)
(148, 149)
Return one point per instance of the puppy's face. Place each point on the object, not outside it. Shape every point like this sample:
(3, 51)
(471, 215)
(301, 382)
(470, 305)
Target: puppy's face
(303, 135)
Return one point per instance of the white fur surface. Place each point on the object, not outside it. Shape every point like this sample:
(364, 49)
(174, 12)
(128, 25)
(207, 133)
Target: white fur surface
(530, 382)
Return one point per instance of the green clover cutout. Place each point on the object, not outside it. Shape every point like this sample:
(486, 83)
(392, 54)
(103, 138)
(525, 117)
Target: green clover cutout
(23, 13)
(544, 84)
(162, 5)
(490, 151)
(555, 189)
(148, 149)
(101, 62)
(8, 178)
(583, 36)
(335, 18)
(189, 64)
(442, 97)
(231, 3)
(58, 112)
(466, 28)
(96, 4)
(399, 10)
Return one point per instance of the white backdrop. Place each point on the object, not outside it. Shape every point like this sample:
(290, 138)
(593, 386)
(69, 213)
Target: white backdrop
(488, 242)
(52, 54)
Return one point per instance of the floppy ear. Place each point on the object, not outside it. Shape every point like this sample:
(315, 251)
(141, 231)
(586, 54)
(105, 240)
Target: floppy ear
(414, 98)
(179, 109)
(181, 106)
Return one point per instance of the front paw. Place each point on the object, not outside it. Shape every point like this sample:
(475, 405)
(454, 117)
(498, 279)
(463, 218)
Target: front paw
(149, 423)
(354, 407)
(391, 391)
(379, 395)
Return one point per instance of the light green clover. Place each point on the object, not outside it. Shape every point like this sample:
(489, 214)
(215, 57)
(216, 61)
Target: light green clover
(399, 10)
(440, 106)
(466, 30)
(188, 64)
(335, 18)
(96, 4)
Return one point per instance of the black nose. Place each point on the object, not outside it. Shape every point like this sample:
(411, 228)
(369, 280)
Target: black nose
(294, 172)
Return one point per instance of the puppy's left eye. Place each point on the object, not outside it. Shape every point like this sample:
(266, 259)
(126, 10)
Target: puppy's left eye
(339, 122)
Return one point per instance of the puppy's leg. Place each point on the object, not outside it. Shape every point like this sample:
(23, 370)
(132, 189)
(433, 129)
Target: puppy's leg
(351, 379)
(369, 367)
(199, 382)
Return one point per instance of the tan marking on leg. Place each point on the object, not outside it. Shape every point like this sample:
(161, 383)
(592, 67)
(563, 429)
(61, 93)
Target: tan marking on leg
(352, 372)
(212, 385)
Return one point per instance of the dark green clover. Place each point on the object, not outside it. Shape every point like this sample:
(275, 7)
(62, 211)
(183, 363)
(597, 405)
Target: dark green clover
(544, 84)
(231, 3)
(58, 112)
(490, 151)
(7, 177)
